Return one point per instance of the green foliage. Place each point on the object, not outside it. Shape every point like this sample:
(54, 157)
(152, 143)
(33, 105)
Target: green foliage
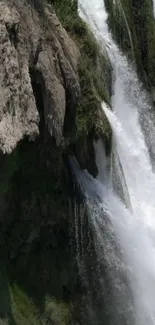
(94, 70)
(133, 26)
(89, 45)
(23, 310)
(67, 13)
(118, 21)
(95, 77)
(87, 111)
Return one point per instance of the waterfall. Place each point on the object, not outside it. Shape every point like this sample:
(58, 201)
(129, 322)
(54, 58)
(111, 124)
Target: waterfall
(154, 7)
(124, 236)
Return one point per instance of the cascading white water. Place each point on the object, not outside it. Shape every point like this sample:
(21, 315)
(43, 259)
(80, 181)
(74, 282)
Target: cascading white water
(154, 7)
(134, 228)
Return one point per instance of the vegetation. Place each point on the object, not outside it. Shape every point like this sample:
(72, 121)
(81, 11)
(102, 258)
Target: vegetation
(133, 26)
(95, 85)
(25, 312)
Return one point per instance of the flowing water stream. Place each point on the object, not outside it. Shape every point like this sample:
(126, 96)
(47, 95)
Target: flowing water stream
(124, 233)
(154, 7)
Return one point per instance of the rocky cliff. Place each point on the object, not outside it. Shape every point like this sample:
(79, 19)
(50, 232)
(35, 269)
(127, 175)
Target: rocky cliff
(53, 77)
(51, 86)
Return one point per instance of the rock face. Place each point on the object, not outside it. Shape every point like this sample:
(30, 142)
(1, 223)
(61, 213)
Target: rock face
(30, 54)
(50, 92)
(18, 112)
(57, 67)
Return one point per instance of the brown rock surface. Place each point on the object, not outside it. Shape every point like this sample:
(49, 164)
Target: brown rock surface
(31, 51)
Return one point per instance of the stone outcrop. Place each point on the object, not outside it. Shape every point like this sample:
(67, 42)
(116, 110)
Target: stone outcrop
(18, 112)
(32, 54)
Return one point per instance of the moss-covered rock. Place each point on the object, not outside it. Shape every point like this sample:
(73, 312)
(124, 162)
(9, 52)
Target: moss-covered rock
(23, 311)
(95, 85)
(133, 26)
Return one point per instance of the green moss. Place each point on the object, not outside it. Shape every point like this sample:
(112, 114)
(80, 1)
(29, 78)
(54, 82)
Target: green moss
(23, 310)
(94, 70)
(89, 104)
(119, 14)
(133, 26)
(67, 12)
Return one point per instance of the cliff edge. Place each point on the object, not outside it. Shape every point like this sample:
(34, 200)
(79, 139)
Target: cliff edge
(51, 87)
